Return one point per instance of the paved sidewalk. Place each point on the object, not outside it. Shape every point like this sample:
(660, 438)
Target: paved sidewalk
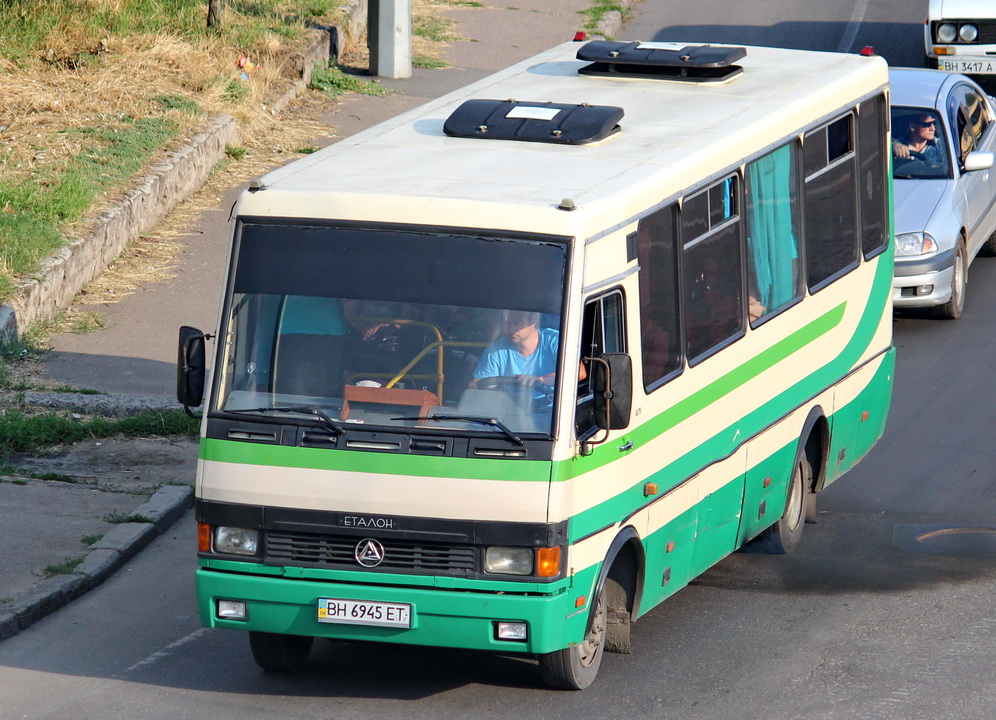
(53, 524)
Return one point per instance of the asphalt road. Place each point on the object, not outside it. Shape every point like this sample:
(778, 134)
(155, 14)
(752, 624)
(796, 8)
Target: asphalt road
(863, 621)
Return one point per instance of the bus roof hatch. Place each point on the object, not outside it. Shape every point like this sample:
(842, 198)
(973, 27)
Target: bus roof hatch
(661, 60)
(545, 122)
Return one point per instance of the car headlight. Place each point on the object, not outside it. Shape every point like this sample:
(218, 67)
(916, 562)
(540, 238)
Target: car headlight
(237, 541)
(968, 32)
(508, 560)
(916, 243)
(947, 32)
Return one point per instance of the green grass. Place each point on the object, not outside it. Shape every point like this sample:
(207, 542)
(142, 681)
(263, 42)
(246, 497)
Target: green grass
(20, 433)
(26, 25)
(334, 82)
(37, 209)
(431, 63)
(434, 27)
(74, 390)
(66, 567)
(116, 518)
(57, 477)
(91, 539)
(598, 10)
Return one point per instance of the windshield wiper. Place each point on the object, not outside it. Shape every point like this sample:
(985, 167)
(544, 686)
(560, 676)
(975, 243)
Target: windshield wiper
(493, 422)
(326, 420)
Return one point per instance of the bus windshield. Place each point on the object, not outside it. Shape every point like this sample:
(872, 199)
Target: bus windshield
(395, 328)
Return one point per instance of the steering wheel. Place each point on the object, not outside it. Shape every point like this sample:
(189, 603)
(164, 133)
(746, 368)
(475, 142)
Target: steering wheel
(918, 156)
(499, 382)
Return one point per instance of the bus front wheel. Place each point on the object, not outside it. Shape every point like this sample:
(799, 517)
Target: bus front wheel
(279, 653)
(784, 535)
(575, 667)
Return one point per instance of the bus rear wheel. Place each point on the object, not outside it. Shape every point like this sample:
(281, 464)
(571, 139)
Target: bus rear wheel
(279, 653)
(575, 667)
(783, 537)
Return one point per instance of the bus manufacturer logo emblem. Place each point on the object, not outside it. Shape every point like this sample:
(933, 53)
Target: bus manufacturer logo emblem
(369, 552)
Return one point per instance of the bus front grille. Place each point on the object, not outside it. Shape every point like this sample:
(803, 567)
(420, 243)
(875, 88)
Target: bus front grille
(329, 551)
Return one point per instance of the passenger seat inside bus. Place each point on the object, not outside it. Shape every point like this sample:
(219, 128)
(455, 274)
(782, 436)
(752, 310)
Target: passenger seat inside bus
(309, 347)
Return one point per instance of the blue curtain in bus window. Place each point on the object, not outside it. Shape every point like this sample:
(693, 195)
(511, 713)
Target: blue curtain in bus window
(771, 231)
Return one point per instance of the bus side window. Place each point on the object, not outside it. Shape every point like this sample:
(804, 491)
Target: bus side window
(712, 270)
(874, 175)
(772, 223)
(602, 331)
(660, 343)
(831, 200)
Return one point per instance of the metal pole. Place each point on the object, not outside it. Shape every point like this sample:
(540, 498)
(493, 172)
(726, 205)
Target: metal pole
(389, 37)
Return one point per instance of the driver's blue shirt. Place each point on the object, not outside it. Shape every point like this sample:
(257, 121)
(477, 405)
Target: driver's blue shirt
(501, 359)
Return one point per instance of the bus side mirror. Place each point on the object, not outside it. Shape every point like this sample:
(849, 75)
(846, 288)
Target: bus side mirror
(612, 386)
(190, 368)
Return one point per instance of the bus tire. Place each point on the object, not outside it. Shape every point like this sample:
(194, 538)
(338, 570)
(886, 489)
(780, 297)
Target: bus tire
(575, 667)
(279, 653)
(783, 537)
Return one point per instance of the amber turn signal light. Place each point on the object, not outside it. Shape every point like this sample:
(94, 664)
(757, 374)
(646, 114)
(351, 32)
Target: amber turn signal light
(548, 562)
(203, 537)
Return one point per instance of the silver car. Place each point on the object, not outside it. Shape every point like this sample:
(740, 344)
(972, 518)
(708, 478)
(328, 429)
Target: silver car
(944, 137)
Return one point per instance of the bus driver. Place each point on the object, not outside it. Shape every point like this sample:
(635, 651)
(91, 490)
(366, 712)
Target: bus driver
(525, 352)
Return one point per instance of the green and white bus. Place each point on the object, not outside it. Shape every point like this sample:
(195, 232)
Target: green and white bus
(504, 374)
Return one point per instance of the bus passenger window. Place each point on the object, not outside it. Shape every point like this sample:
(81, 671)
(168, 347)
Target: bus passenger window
(772, 222)
(830, 197)
(712, 269)
(659, 332)
(873, 175)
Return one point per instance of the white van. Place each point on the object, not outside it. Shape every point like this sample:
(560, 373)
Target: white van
(960, 36)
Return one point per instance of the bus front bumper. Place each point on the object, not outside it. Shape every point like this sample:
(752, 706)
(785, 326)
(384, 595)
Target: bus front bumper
(455, 618)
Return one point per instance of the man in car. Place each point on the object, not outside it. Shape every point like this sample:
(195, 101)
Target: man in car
(919, 136)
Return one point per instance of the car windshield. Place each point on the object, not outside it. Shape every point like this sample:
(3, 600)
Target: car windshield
(919, 144)
(396, 328)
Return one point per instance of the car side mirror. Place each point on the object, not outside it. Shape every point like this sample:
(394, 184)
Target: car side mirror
(978, 160)
(190, 368)
(612, 385)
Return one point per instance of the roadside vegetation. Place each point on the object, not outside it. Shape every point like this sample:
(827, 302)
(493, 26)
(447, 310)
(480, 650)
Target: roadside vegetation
(93, 89)
(22, 432)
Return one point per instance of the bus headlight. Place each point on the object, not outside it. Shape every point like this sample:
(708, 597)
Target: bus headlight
(917, 243)
(508, 561)
(947, 32)
(237, 541)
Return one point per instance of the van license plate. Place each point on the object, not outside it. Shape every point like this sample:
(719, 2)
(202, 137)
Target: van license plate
(969, 65)
(364, 612)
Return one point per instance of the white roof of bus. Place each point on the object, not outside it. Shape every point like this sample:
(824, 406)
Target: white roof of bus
(673, 134)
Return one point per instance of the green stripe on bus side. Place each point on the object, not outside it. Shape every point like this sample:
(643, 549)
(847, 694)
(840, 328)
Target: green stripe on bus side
(712, 392)
(724, 442)
(233, 451)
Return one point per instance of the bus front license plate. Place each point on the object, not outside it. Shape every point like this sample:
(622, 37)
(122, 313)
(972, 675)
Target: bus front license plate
(364, 612)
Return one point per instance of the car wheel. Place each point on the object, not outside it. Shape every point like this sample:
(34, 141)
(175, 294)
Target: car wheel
(953, 308)
(279, 653)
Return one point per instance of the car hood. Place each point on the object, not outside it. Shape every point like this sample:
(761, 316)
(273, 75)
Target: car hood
(967, 9)
(915, 201)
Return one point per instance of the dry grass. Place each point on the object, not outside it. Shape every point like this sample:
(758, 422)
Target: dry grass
(153, 257)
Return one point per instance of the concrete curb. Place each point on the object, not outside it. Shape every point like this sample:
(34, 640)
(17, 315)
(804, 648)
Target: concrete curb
(612, 21)
(164, 508)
